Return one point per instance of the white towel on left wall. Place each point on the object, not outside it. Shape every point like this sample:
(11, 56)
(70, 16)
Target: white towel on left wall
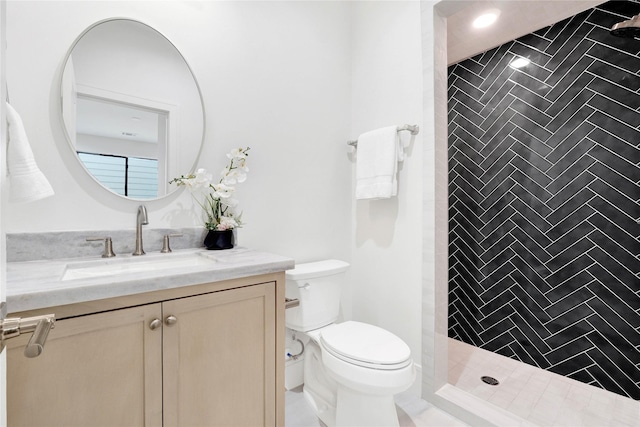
(26, 182)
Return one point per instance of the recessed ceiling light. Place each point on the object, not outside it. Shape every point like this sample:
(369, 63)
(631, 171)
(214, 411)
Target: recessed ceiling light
(486, 19)
(519, 62)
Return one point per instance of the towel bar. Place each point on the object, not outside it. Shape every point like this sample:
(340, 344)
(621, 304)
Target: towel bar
(414, 129)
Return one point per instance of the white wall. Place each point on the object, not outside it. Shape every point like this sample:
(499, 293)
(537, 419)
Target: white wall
(3, 258)
(275, 76)
(387, 248)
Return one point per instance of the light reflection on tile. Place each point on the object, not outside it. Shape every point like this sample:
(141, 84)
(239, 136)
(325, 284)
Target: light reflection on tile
(538, 396)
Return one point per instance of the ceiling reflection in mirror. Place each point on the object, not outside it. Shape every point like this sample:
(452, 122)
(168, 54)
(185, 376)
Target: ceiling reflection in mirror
(131, 108)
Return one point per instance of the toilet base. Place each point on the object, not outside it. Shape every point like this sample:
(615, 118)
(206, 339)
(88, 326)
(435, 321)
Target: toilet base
(325, 412)
(319, 389)
(358, 409)
(347, 395)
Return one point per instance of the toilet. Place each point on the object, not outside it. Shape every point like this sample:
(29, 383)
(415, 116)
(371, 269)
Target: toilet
(352, 370)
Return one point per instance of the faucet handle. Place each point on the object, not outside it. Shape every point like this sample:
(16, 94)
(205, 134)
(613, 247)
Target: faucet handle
(108, 246)
(165, 242)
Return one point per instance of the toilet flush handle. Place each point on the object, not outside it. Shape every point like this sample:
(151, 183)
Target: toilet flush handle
(306, 286)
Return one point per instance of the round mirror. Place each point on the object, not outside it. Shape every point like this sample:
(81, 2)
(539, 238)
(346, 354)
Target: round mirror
(132, 108)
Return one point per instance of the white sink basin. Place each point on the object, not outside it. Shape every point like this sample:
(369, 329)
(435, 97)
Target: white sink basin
(129, 265)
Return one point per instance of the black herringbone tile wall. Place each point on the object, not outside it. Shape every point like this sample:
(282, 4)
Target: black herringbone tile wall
(544, 174)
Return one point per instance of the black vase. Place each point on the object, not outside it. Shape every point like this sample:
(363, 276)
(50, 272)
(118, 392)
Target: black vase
(215, 240)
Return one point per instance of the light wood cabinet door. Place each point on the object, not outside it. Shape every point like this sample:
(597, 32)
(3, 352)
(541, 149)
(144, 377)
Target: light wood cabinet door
(219, 359)
(98, 370)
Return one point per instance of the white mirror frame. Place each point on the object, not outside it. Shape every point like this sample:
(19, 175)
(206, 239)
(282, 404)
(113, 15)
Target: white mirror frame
(172, 134)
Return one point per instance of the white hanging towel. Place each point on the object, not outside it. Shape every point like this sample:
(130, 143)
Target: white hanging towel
(379, 152)
(26, 182)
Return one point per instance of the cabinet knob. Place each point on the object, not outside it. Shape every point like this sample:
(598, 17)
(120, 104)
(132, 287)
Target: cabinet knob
(171, 320)
(155, 324)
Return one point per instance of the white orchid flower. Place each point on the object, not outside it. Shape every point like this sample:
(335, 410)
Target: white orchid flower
(196, 180)
(218, 205)
(201, 178)
(222, 191)
(235, 176)
(237, 153)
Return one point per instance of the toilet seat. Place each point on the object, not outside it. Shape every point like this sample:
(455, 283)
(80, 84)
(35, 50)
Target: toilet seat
(366, 345)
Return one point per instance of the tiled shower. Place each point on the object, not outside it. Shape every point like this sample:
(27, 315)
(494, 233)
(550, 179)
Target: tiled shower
(544, 188)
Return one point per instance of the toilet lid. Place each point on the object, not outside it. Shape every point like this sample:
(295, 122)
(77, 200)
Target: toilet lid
(366, 345)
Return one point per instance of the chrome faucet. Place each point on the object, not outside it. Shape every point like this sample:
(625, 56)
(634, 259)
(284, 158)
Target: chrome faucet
(141, 219)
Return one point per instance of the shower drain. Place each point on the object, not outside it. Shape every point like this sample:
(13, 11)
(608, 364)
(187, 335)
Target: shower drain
(490, 380)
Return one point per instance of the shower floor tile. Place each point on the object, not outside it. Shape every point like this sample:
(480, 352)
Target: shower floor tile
(538, 396)
(412, 411)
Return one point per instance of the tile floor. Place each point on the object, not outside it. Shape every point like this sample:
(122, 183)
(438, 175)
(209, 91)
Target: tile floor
(412, 412)
(537, 396)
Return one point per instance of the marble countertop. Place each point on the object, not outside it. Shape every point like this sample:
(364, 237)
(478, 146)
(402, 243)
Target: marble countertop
(39, 284)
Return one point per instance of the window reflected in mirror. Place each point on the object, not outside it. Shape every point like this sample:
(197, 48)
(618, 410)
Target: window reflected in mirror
(127, 176)
(121, 145)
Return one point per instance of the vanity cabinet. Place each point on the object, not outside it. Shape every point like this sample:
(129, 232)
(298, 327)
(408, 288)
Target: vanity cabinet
(99, 370)
(205, 359)
(219, 359)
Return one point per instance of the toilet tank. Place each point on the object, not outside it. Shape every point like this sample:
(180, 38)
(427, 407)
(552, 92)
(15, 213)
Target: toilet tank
(318, 286)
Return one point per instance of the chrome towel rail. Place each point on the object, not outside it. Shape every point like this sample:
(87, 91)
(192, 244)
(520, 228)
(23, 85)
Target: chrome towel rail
(414, 129)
